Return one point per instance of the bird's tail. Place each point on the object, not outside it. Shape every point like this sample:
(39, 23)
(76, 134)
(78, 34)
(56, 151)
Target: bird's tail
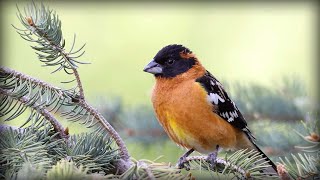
(273, 168)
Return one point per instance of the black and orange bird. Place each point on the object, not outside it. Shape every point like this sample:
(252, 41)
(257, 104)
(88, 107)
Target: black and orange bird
(193, 107)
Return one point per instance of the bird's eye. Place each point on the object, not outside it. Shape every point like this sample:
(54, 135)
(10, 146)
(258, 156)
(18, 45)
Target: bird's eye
(170, 61)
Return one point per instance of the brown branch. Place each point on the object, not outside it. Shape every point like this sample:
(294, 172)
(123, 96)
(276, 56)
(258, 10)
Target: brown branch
(45, 113)
(24, 77)
(145, 167)
(124, 162)
(76, 74)
(218, 161)
(122, 147)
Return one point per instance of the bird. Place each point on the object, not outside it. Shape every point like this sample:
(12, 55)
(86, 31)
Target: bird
(194, 108)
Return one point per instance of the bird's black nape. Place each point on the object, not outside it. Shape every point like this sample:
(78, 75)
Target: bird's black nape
(173, 64)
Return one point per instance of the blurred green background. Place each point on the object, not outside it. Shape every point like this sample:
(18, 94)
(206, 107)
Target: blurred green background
(240, 43)
(244, 42)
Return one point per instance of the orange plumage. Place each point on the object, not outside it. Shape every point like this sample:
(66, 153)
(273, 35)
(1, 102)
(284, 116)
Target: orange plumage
(193, 107)
(182, 108)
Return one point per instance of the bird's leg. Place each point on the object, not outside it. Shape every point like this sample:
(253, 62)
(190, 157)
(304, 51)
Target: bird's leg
(183, 160)
(212, 157)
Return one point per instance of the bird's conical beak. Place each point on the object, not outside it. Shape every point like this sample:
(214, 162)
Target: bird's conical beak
(153, 68)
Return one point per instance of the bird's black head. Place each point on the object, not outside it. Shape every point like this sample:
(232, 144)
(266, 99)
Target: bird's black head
(171, 61)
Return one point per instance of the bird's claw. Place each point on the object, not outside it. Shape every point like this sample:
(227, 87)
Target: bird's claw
(183, 163)
(212, 159)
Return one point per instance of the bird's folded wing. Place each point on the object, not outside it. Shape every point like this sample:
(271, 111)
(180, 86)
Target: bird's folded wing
(224, 106)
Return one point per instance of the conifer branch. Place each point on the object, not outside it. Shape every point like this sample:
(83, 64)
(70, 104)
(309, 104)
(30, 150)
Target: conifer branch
(242, 164)
(6, 74)
(76, 74)
(93, 150)
(44, 28)
(30, 145)
(220, 162)
(57, 126)
(15, 78)
(306, 165)
(113, 133)
(148, 171)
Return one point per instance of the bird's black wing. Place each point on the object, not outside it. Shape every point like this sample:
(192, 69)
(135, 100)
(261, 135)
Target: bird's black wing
(226, 108)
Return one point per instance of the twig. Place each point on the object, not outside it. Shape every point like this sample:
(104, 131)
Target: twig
(24, 77)
(45, 113)
(145, 167)
(65, 55)
(124, 162)
(76, 74)
(218, 161)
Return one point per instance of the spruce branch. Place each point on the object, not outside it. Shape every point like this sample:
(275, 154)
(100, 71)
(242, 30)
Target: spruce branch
(144, 166)
(303, 166)
(149, 170)
(312, 138)
(44, 28)
(120, 143)
(11, 79)
(306, 165)
(242, 164)
(313, 141)
(76, 74)
(93, 151)
(66, 170)
(40, 91)
(7, 77)
(29, 171)
(44, 24)
(201, 162)
(26, 102)
(31, 146)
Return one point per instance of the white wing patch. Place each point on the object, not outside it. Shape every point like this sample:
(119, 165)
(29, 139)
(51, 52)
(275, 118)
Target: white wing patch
(230, 119)
(215, 98)
(234, 114)
(221, 102)
(212, 83)
(229, 115)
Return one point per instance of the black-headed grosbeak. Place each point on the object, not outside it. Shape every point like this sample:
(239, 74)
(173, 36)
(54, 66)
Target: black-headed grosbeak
(193, 107)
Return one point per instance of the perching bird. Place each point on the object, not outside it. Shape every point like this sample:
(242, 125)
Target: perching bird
(193, 107)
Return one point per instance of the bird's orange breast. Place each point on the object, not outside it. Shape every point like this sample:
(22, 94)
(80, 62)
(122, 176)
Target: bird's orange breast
(188, 118)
